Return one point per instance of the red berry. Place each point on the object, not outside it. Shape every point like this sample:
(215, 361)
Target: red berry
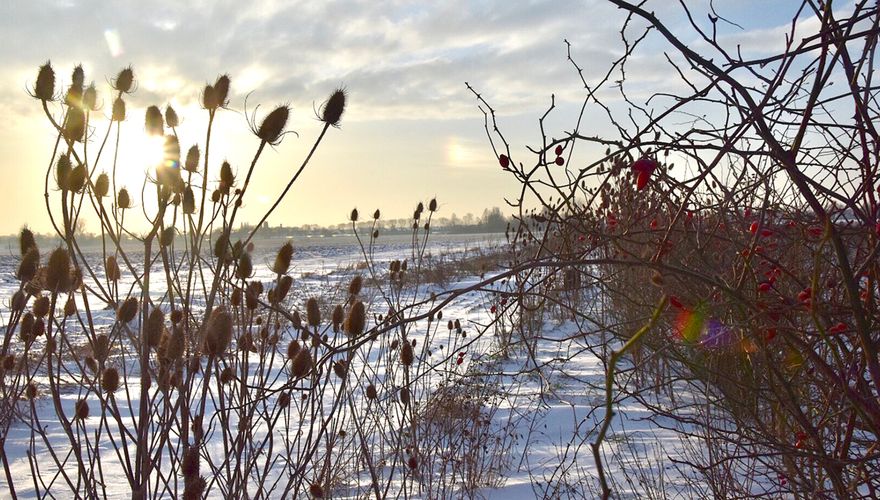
(644, 165)
(559, 150)
(769, 334)
(754, 227)
(838, 328)
(815, 231)
(642, 180)
(560, 161)
(764, 287)
(492, 309)
(653, 223)
(766, 233)
(675, 302)
(504, 161)
(459, 361)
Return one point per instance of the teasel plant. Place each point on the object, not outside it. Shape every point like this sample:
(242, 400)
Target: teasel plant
(172, 364)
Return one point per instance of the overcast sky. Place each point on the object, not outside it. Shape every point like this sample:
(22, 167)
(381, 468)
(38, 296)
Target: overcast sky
(412, 130)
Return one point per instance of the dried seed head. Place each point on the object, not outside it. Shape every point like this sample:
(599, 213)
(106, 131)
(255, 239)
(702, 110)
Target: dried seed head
(69, 307)
(356, 284)
(112, 269)
(128, 310)
(273, 125)
(62, 172)
(118, 114)
(283, 287)
(284, 400)
(153, 122)
(189, 201)
(371, 392)
(356, 320)
(58, 270)
(340, 368)
(78, 78)
(354, 215)
(101, 348)
(215, 196)
(432, 205)
(226, 376)
(41, 306)
(236, 297)
(292, 349)
(219, 332)
(337, 317)
(110, 380)
(302, 364)
(245, 266)
(123, 201)
(221, 91)
(31, 391)
(313, 313)
(171, 117)
(27, 268)
(331, 112)
(26, 327)
(19, 300)
(192, 159)
(81, 409)
(124, 80)
(90, 98)
(296, 321)
(190, 463)
(209, 98)
(155, 327)
(171, 153)
(76, 181)
(283, 258)
(74, 125)
(406, 354)
(44, 89)
(26, 241)
(227, 178)
(102, 185)
(404, 396)
(221, 247)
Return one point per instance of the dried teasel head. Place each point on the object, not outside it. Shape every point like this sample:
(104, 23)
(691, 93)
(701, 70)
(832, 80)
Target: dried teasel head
(30, 263)
(171, 117)
(154, 124)
(283, 258)
(155, 327)
(371, 392)
(58, 270)
(118, 113)
(404, 396)
(356, 321)
(101, 347)
(354, 215)
(26, 241)
(272, 128)
(41, 306)
(245, 267)
(407, 356)
(123, 200)
(189, 201)
(218, 333)
(44, 88)
(302, 364)
(69, 307)
(292, 349)
(313, 312)
(316, 490)
(74, 125)
(221, 91)
(227, 178)
(192, 159)
(112, 269)
(283, 288)
(124, 80)
(81, 409)
(176, 344)
(128, 310)
(110, 380)
(209, 98)
(90, 98)
(337, 317)
(63, 167)
(334, 106)
(340, 368)
(76, 181)
(354, 287)
(102, 185)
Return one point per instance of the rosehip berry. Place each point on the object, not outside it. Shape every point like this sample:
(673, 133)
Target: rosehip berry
(560, 161)
(504, 161)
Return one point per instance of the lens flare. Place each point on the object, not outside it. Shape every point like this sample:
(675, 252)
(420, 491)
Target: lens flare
(695, 326)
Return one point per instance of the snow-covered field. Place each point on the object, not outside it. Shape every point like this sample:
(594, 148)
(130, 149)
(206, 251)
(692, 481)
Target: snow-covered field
(544, 402)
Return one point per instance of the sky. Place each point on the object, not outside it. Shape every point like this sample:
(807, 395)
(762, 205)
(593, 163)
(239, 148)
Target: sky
(411, 130)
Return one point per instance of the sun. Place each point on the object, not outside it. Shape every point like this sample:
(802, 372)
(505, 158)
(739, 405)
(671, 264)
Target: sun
(149, 151)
